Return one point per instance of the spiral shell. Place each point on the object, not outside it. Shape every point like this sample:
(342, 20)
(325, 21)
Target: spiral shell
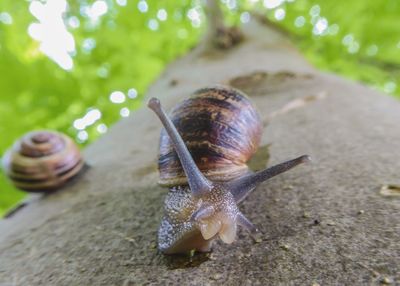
(221, 129)
(42, 161)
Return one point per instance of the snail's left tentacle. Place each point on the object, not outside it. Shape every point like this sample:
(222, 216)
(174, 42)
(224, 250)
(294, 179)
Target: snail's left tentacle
(199, 185)
(202, 213)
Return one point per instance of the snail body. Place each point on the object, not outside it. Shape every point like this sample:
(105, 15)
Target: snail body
(42, 161)
(203, 153)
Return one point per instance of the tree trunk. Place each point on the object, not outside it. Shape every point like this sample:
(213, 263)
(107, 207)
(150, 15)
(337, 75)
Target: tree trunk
(330, 222)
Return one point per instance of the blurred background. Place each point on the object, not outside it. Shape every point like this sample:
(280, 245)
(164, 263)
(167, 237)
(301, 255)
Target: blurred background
(79, 66)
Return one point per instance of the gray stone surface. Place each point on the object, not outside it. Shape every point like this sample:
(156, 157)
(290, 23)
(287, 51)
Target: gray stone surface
(323, 223)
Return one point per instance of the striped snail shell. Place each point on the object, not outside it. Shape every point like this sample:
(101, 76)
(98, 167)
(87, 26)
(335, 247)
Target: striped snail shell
(222, 130)
(42, 161)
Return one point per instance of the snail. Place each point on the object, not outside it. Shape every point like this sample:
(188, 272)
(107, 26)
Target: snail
(203, 152)
(42, 161)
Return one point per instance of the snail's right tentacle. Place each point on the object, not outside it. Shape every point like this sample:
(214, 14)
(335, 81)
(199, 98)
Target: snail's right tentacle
(249, 226)
(241, 187)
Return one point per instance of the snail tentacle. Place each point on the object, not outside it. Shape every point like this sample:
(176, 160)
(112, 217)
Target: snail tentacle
(202, 213)
(249, 226)
(198, 183)
(241, 187)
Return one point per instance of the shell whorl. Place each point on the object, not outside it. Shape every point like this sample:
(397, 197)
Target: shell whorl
(42, 161)
(221, 129)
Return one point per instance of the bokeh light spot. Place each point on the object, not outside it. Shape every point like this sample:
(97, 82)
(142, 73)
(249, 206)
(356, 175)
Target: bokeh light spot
(299, 21)
(121, 2)
(55, 40)
(353, 47)
(194, 16)
(333, 29)
(89, 119)
(82, 136)
(389, 87)
(73, 22)
(88, 45)
(101, 128)
(124, 112)
(372, 50)
(132, 93)
(320, 26)
(153, 24)
(348, 39)
(6, 18)
(280, 14)
(231, 4)
(143, 6)
(162, 15)
(98, 9)
(270, 4)
(245, 17)
(117, 97)
(315, 10)
(102, 71)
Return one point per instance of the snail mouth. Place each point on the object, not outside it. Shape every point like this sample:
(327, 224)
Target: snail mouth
(228, 232)
(210, 229)
(216, 215)
(225, 229)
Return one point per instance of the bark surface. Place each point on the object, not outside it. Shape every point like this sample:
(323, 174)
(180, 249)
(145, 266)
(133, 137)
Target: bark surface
(328, 222)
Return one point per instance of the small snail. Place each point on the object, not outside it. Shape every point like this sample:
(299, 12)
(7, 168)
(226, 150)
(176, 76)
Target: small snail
(42, 161)
(220, 131)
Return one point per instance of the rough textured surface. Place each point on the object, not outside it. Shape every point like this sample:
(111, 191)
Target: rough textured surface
(324, 223)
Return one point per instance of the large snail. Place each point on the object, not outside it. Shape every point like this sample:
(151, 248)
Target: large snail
(203, 152)
(42, 161)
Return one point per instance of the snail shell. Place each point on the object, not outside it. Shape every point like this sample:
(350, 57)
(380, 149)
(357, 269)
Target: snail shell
(42, 161)
(221, 129)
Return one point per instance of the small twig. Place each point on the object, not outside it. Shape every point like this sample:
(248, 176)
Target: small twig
(294, 104)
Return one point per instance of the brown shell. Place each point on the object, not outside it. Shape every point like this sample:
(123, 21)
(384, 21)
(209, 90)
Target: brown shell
(221, 129)
(42, 160)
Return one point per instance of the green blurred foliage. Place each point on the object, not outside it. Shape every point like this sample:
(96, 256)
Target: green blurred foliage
(361, 39)
(127, 48)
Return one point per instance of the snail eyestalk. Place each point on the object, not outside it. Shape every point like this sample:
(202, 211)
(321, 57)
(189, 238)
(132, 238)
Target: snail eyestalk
(241, 187)
(202, 213)
(249, 226)
(198, 183)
